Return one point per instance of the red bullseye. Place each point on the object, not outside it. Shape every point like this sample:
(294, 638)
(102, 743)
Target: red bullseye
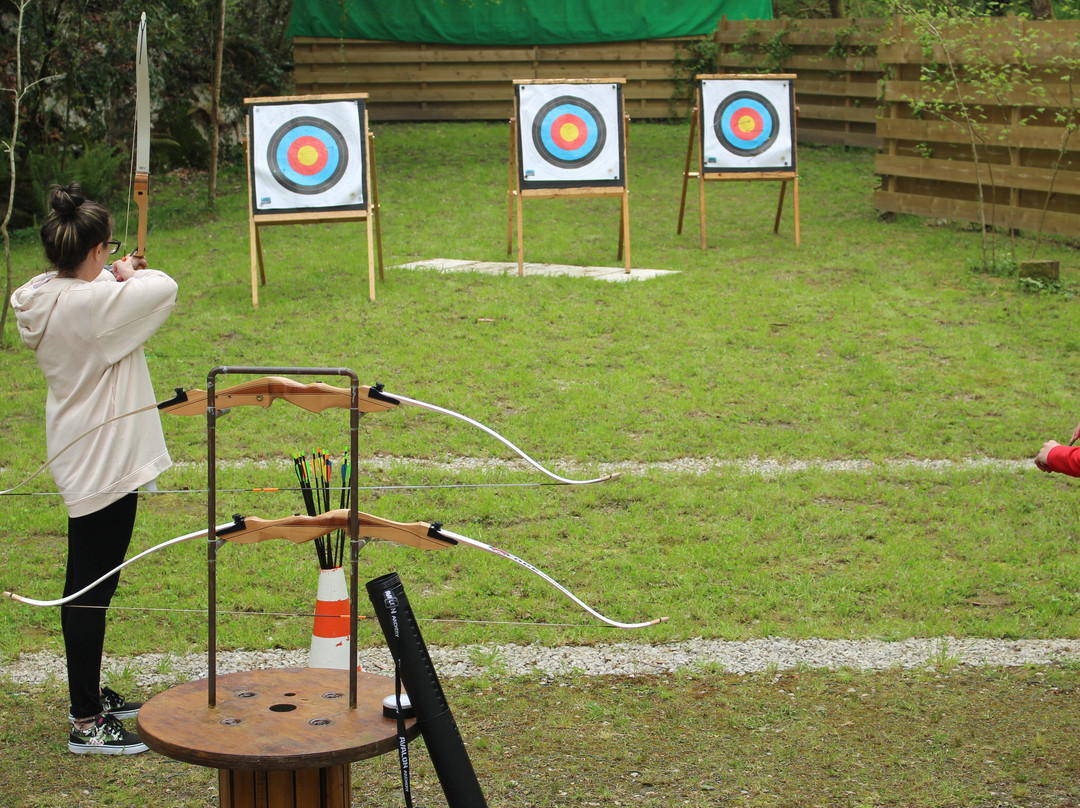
(569, 131)
(746, 123)
(307, 155)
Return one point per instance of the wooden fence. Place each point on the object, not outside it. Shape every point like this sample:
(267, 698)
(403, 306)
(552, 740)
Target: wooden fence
(413, 81)
(1012, 141)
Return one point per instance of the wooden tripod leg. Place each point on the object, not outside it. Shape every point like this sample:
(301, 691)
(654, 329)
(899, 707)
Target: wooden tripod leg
(624, 229)
(622, 219)
(520, 235)
(376, 211)
(701, 206)
(686, 169)
(779, 206)
(371, 257)
(624, 209)
(510, 191)
(256, 263)
(795, 205)
(258, 268)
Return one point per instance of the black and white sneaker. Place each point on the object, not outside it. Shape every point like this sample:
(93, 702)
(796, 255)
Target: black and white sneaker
(117, 706)
(106, 736)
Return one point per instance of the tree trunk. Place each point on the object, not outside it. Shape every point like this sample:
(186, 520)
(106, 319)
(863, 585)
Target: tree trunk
(1041, 10)
(215, 105)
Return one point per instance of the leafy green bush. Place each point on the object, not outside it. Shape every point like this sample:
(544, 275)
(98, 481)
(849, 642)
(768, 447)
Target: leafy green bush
(96, 166)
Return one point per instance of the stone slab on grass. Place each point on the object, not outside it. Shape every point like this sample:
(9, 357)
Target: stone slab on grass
(615, 274)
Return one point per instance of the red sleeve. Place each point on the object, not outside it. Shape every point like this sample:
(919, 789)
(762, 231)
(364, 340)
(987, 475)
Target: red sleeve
(1064, 460)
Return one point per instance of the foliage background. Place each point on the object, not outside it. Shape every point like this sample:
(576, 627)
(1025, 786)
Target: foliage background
(82, 118)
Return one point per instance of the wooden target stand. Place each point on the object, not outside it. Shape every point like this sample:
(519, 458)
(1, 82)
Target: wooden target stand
(516, 194)
(280, 738)
(702, 176)
(370, 216)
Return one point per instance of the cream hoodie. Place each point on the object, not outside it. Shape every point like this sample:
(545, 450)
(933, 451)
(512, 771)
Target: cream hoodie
(88, 338)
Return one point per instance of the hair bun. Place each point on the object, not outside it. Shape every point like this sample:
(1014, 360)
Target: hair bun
(65, 200)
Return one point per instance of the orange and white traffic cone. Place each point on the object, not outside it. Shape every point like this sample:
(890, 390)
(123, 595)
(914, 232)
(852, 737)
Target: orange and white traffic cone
(330, 635)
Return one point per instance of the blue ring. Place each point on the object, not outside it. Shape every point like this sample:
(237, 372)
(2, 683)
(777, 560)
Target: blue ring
(337, 157)
(726, 135)
(333, 156)
(550, 151)
(549, 141)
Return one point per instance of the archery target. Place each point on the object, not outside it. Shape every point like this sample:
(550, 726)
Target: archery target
(570, 135)
(746, 125)
(308, 156)
(569, 132)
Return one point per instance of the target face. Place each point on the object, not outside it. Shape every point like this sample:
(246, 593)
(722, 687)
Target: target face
(569, 132)
(308, 156)
(569, 135)
(747, 125)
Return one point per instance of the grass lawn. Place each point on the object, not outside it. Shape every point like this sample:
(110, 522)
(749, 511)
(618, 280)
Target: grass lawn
(871, 342)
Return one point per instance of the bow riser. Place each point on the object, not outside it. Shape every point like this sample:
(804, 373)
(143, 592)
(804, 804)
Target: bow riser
(300, 529)
(141, 191)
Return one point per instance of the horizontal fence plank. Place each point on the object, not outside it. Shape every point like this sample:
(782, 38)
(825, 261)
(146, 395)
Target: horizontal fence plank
(1065, 224)
(1023, 177)
(1054, 94)
(866, 115)
(1020, 136)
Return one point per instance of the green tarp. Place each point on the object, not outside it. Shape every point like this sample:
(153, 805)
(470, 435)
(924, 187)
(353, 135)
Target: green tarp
(516, 22)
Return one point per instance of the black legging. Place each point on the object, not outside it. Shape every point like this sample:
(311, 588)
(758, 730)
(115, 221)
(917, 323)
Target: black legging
(96, 543)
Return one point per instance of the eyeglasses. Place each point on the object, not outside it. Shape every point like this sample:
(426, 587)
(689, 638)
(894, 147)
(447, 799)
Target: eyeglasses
(114, 246)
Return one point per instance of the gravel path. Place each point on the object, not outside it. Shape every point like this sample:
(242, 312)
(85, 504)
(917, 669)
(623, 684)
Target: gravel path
(761, 466)
(770, 654)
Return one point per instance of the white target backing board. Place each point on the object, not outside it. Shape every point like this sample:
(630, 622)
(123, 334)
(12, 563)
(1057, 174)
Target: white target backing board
(570, 135)
(308, 157)
(747, 124)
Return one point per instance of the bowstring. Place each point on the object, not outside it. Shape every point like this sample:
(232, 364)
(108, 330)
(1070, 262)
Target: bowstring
(245, 613)
(403, 487)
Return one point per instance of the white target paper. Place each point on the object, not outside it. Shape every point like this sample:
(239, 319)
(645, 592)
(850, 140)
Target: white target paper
(746, 125)
(308, 156)
(570, 135)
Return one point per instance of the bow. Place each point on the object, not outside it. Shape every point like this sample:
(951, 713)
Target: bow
(319, 396)
(299, 529)
(141, 183)
(313, 397)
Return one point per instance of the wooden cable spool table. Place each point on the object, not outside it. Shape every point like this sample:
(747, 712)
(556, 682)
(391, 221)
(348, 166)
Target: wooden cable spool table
(280, 738)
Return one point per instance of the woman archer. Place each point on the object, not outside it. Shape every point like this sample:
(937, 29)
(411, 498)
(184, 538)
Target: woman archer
(86, 323)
